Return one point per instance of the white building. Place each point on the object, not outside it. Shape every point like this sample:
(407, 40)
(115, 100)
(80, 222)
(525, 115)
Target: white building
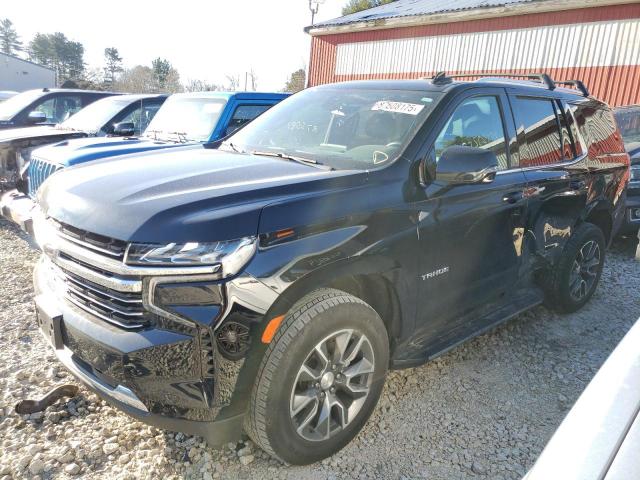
(19, 75)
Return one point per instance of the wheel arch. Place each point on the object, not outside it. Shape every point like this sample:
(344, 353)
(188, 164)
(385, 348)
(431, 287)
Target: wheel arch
(370, 279)
(600, 213)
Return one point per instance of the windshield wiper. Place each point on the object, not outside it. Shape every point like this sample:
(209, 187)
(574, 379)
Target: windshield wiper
(232, 146)
(293, 158)
(154, 132)
(182, 136)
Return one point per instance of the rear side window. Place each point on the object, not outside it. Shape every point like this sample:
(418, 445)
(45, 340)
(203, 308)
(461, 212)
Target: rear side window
(598, 128)
(476, 122)
(537, 116)
(580, 141)
(243, 115)
(565, 136)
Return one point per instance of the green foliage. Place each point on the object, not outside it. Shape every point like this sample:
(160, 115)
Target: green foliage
(9, 40)
(113, 65)
(354, 6)
(296, 82)
(55, 50)
(161, 69)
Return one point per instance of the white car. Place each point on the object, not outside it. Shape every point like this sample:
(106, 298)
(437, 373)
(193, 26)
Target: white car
(6, 94)
(600, 437)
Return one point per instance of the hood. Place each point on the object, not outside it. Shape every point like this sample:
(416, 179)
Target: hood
(81, 150)
(27, 133)
(180, 195)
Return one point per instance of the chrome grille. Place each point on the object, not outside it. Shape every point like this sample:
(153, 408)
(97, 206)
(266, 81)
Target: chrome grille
(39, 171)
(120, 308)
(98, 243)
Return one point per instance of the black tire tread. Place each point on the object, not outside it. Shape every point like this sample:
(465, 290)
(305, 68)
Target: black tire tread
(303, 312)
(552, 282)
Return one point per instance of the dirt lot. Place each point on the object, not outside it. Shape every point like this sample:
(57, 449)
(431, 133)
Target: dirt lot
(485, 410)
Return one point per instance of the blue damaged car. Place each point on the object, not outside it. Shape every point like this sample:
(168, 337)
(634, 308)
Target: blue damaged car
(184, 119)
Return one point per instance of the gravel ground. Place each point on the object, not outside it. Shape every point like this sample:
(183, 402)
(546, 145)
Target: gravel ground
(484, 410)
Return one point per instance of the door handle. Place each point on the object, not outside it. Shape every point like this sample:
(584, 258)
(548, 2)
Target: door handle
(577, 184)
(513, 197)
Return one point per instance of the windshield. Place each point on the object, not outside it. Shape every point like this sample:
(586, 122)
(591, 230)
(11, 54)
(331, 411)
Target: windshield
(95, 116)
(628, 120)
(9, 108)
(340, 127)
(186, 118)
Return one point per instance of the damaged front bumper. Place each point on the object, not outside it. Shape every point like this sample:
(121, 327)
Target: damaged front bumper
(18, 208)
(153, 373)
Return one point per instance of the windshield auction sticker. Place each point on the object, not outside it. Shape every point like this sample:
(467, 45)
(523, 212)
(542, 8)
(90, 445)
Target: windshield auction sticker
(398, 107)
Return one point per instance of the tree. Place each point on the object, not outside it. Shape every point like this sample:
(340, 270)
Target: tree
(253, 81)
(9, 40)
(296, 81)
(161, 69)
(92, 79)
(143, 79)
(354, 6)
(113, 65)
(233, 83)
(139, 79)
(55, 50)
(167, 78)
(202, 86)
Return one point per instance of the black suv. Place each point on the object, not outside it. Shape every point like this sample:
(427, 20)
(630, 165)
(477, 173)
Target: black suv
(45, 106)
(270, 284)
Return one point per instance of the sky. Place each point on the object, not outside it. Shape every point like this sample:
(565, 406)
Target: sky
(204, 40)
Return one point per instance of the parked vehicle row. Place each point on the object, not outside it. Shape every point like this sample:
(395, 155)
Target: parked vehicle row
(45, 107)
(268, 282)
(119, 121)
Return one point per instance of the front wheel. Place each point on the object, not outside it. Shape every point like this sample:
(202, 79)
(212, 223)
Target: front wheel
(320, 378)
(573, 280)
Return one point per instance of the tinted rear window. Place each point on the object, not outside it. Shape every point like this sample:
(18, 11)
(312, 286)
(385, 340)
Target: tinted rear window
(537, 116)
(598, 128)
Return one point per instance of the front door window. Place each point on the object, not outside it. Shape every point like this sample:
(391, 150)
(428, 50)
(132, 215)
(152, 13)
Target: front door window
(477, 122)
(58, 109)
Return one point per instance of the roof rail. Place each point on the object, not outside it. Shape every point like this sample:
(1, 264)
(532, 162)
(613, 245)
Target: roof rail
(578, 84)
(441, 78)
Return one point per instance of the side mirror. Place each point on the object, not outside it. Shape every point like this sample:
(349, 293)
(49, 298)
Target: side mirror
(124, 129)
(36, 117)
(464, 165)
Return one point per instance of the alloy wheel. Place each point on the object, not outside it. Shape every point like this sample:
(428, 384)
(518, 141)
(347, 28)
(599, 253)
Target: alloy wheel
(585, 270)
(332, 385)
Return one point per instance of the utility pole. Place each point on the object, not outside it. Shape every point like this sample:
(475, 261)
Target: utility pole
(314, 6)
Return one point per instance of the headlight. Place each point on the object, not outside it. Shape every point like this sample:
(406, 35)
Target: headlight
(635, 173)
(232, 254)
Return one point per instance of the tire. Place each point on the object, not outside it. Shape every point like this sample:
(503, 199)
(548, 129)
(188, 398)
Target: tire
(560, 282)
(327, 316)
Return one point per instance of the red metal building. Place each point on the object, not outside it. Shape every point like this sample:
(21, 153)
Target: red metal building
(597, 41)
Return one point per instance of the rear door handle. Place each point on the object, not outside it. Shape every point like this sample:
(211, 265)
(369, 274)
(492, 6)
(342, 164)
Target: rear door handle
(577, 184)
(513, 197)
